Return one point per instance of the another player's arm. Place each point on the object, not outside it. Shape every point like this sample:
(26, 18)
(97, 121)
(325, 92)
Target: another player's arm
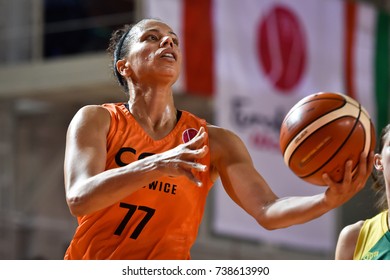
(347, 241)
(89, 187)
(248, 188)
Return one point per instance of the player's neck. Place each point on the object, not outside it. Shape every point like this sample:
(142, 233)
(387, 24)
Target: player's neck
(156, 118)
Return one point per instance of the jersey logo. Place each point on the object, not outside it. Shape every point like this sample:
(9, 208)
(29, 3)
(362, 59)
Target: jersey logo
(188, 134)
(370, 255)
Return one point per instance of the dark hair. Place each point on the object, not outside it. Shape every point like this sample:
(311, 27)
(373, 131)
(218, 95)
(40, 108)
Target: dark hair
(379, 186)
(119, 46)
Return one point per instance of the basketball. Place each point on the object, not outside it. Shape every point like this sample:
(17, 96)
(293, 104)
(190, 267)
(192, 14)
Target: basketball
(323, 131)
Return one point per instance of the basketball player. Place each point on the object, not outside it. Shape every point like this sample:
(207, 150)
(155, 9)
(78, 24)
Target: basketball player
(137, 174)
(370, 239)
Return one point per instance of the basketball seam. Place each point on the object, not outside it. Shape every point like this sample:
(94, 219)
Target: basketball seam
(300, 104)
(339, 148)
(345, 101)
(316, 124)
(366, 123)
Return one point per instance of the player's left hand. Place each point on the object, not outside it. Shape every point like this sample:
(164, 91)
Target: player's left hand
(353, 182)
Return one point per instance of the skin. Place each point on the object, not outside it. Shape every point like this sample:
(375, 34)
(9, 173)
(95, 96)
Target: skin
(150, 69)
(348, 236)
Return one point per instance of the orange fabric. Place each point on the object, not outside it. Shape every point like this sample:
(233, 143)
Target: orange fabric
(160, 220)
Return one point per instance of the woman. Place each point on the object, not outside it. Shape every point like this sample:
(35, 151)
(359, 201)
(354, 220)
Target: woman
(137, 174)
(370, 239)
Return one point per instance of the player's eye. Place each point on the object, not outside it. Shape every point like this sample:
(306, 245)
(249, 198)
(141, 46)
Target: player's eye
(152, 37)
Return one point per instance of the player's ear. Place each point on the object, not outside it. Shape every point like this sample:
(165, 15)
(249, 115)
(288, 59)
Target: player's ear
(378, 162)
(123, 67)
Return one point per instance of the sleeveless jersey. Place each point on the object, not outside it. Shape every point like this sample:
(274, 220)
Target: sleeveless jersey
(374, 239)
(158, 221)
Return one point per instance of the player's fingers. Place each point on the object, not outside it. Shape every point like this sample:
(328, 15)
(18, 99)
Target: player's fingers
(194, 179)
(198, 140)
(195, 166)
(199, 153)
(365, 167)
(348, 174)
(326, 179)
(190, 169)
(347, 178)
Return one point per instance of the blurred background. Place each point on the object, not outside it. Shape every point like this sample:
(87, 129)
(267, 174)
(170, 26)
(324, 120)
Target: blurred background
(53, 61)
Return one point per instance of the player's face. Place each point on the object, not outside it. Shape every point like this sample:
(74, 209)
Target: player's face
(386, 158)
(382, 160)
(154, 52)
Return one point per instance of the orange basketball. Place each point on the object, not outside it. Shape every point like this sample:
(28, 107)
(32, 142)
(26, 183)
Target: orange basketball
(321, 132)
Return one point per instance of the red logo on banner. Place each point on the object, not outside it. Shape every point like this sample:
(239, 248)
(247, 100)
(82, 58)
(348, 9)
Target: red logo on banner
(281, 48)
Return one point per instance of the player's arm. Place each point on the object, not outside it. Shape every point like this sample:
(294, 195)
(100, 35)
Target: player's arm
(248, 188)
(89, 187)
(347, 241)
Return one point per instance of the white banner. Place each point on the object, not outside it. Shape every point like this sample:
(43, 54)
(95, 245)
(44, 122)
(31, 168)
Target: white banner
(269, 55)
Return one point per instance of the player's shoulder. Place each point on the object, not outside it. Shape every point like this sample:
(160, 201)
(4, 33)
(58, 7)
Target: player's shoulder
(223, 140)
(217, 132)
(351, 232)
(92, 111)
(347, 241)
(90, 114)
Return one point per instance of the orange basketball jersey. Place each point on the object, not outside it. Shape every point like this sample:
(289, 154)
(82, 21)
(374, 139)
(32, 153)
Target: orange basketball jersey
(161, 219)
